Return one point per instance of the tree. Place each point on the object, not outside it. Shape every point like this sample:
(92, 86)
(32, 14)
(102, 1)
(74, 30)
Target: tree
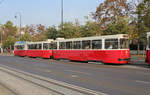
(51, 32)
(9, 42)
(69, 31)
(25, 37)
(35, 32)
(39, 34)
(120, 26)
(91, 29)
(143, 21)
(9, 30)
(108, 11)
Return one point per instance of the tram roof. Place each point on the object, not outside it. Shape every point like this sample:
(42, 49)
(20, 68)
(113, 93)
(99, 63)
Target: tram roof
(96, 37)
(39, 42)
(25, 42)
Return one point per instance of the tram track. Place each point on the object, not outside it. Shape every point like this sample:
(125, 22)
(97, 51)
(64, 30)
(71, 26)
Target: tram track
(59, 88)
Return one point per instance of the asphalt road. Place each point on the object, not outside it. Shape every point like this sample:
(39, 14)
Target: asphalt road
(109, 79)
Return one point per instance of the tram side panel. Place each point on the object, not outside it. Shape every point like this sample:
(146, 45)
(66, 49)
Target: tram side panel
(47, 54)
(20, 52)
(116, 56)
(147, 57)
(105, 56)
(39, 53)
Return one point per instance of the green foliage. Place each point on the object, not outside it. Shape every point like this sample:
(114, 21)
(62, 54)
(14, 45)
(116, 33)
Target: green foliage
(120, 26)
(143, 20)
(25, 37)
(109, 10)
(91, 29)
(9, 42)
(51, 33)
(9, 29)
(69, 31)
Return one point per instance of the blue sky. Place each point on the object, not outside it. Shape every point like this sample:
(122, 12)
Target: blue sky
(46, 12)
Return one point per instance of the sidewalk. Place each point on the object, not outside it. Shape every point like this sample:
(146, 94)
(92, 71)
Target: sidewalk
(6, 54)
(138, 58)
(4, 91)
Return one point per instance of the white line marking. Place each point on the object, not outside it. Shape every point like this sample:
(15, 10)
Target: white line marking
(145, 82)
(77, 72)
(74, 76)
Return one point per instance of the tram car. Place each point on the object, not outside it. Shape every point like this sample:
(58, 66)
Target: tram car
(112, 49)
(147, 60)
(20, 48)
(34, 49)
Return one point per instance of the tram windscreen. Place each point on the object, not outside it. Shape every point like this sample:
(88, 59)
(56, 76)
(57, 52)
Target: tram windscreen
(124, 44)
(19, 47)
(111, 44)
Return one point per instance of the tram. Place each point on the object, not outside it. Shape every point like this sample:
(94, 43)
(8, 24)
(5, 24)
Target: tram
(112, 49)
(147, 60)
(34, 49)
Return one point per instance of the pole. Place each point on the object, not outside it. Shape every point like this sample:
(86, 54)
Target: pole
(20, 23)
(62, 13)
(1, 39)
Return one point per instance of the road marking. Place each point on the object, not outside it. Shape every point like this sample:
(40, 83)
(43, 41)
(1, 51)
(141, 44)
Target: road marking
(144, 82)
(77, 72)
(135, 67)
(74, 76)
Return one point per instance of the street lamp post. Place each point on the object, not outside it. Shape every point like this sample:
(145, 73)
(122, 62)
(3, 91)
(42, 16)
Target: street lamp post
(1, 30)
(62, 13)
(18, 13)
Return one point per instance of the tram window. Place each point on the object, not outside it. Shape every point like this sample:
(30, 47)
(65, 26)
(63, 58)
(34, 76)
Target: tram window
(97, 44)
(45, 46)
(111, 44)
(29, 46)
(55, 45)
(33, 46)
(124, 44)
(38, 46)
(77, 45)
(50, 46)
(68, 45)
(62, 45)
(86, 44)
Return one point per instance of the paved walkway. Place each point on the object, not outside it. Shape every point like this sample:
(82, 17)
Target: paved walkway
(4, 91)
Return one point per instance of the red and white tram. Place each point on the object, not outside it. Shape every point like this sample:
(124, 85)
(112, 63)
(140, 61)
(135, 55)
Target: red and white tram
(107, 49)
(34, 49)
(148, 49)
